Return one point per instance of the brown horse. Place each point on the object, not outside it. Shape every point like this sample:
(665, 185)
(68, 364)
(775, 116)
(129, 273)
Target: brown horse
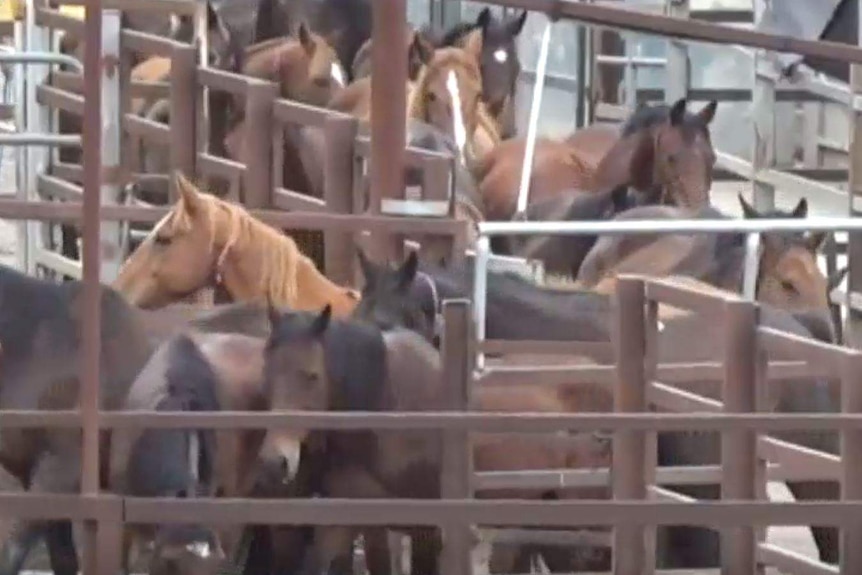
(203, 239)
(493, 43)
(448, 95)
(788, 275)
(314, 364)
(191, 372)
(664, 152)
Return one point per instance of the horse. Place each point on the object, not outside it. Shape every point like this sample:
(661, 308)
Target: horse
(788, 276)
(346, 24)
(312, 363)
(563, 254)
(40, 326)
(204, 239)
(171, 462)
(221, 372)
(404, 297)
(448, 95)
(664, 152)
(493, 42)
(360, 67)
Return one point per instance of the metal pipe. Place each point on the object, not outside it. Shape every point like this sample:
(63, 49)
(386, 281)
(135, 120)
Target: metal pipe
(533, 125)
(480, 292)
(91, 312)
(40, 58)
(388, 101)
(819, 223)
(36, 139)
(638, 61)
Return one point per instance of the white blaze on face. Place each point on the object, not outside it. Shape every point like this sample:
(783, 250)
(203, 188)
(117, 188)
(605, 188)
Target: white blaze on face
(459, 130)
(199, 549)
(338, 74)
(501, 56)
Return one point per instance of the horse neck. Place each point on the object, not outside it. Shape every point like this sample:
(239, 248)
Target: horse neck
(259, 262)
(315, 290)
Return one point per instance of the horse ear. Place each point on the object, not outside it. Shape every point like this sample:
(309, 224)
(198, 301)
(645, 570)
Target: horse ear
(747, 209)
(815, 241)
(321, 322)
(189, 194)
(407, 271)
(213, 21)
(677, 112)
(834, 280)
(484, 18)
(421, 49)
(708, 113)
(365, 265)
(304, 35)
(801, 209)
(515, 26)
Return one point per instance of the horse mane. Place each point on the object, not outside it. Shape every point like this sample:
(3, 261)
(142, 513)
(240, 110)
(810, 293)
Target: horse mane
(646, 117)
(279, 255)
(444, 58)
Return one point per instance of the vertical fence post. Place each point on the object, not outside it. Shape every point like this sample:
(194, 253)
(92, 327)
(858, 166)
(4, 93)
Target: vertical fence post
(257, 148)
(853, 331)
(651, 356)
(183, 110)
(678, 66)
(456, 480)
(629, 449)
(763, 125)
(851, 462)
(436, 188)
(338, 164)
(739, 447)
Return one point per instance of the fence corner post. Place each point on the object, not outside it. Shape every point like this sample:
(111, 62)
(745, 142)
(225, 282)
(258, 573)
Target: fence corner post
(183, 113)
(340, 136)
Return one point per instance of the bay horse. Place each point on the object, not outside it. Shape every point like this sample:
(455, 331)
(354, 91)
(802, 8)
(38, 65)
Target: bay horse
(448, 95)
(312, 363)
(204, 239)
(664, 152)
(224, 371)
(788, 276)
(493, 41)
(518, 310)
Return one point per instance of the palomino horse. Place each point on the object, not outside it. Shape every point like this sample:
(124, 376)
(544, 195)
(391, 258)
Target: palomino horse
(788, 276)
(493, 43)
(664, 152)
(204, 238)
(314, 364)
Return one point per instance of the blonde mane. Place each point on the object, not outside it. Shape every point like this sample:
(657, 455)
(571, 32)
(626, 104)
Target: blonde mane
(276, 279)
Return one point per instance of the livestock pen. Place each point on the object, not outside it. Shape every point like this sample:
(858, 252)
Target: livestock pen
(641, 503)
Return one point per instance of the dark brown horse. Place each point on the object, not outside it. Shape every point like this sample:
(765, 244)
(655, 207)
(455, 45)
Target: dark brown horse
(563, 254)
(518, 310)
(664, 152)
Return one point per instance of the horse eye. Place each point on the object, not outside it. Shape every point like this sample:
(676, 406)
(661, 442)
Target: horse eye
(322, 81)
(788, 287)
(162, 240)
(431, 97)
(671, 159)
(311, 377)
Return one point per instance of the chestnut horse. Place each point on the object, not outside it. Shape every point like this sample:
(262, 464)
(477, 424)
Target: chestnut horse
(312, 363)
(664, 152)
(493, 41)
(205, 239)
